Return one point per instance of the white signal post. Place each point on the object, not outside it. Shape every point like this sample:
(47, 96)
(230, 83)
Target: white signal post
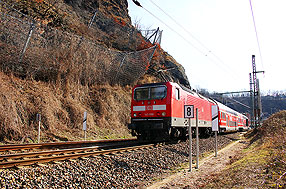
(39, 126)
(189, 113)
(84, 124)
(215, 124)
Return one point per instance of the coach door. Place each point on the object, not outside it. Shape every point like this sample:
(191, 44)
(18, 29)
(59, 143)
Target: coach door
(227, 122)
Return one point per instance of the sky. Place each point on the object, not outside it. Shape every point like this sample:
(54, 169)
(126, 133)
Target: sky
(215, 39)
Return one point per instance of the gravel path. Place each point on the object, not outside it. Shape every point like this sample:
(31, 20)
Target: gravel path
(133, 169)
(200, 177)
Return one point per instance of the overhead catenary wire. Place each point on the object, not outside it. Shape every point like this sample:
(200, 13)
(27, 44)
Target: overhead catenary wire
(256, 33)
(196, 39)
(180, 35)
(218, 60)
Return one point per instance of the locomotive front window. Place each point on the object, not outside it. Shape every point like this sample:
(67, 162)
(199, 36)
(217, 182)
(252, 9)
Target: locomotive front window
(141, 94)
(150, 93)
(158, 92)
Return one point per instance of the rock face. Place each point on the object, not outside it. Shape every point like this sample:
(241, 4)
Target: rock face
(104, 22)
(111, 7)
(165, 68)
(177, 71)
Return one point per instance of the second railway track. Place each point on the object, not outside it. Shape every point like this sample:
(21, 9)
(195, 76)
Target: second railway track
(60, 145)
(10, 160)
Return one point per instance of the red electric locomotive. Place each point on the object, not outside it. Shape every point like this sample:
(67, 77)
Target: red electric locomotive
(157, 111)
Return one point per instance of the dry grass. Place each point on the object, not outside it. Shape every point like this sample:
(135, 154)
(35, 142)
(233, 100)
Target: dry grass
(263, 163)
(62, 107)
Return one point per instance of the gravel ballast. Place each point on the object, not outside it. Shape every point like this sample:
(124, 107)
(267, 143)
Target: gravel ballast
(131, 169)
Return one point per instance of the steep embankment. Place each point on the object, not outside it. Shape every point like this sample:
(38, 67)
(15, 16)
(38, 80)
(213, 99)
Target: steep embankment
(52, 63)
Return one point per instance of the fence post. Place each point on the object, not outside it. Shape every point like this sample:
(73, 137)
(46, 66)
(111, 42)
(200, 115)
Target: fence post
(92, 19)
(88, 26)
(119, 68)
(27, 41)
(156, 35)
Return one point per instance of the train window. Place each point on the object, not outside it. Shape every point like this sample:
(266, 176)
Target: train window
(177, 94)
(150, 93)
(222, 115)
(158, 92)
(141, 94)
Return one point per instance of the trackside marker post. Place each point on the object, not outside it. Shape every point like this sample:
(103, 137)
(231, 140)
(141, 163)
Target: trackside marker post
(84, 124)
(197, 137)
(189, 113)
(39, 126)
(215, 143)
(215, 124)
(190, 146)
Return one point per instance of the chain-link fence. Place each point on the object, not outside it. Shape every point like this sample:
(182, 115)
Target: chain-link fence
(29, 49)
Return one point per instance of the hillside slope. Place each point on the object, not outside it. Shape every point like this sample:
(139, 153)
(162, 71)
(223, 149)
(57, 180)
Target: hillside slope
(263, 163)
(67, 68)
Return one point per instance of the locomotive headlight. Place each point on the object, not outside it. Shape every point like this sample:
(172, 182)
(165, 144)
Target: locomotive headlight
(134, 114)
(163, 113)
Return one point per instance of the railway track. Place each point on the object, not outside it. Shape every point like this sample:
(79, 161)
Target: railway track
(39, 157)
(61, 145)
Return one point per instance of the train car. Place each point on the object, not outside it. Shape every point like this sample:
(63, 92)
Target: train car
(157, 111)
(231, 120)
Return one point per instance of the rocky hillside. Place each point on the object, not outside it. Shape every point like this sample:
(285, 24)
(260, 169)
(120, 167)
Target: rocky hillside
(61, 58)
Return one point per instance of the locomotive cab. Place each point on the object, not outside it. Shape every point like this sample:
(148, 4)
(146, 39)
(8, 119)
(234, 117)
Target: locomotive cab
(150, 110)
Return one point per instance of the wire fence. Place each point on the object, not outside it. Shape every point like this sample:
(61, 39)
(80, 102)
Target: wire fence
(30, 49)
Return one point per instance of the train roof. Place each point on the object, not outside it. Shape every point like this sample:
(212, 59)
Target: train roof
(228, 109)
(220, 105)
(193, 92)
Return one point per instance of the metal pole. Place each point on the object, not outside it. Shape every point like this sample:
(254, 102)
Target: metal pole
(39, 131)
(251, 99)
(84, 124)
(156, 35)
(39, 127)
(254, 89)
(190, 146)
(92, 19)
(27, 41)
(215, 143)
(197, 137)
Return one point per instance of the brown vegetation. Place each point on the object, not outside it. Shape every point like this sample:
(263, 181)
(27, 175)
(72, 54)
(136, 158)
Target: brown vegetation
(62, 107)
(263, 163)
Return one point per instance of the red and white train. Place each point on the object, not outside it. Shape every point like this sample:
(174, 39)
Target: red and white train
(157, 111)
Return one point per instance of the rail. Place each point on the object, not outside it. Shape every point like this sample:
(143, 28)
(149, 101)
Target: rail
(62, 155)
(69, 144)
(102, 147)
